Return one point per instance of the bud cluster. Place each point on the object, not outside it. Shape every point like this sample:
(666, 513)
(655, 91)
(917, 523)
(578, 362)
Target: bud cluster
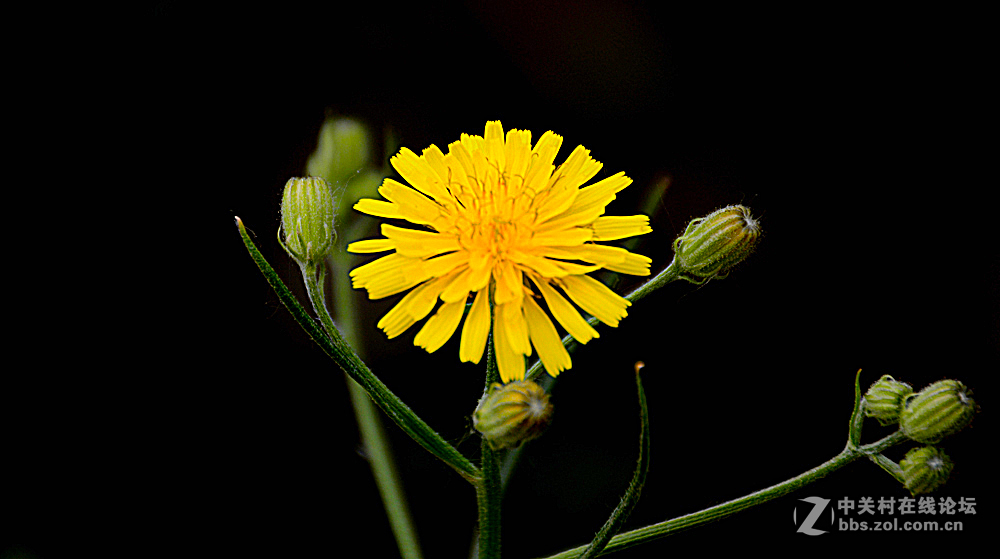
(927, 416)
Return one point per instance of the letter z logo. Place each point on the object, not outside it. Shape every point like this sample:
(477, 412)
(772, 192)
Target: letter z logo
(819, 505)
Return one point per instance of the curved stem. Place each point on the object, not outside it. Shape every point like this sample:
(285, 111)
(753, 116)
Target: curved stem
(662, 529)
(345, 357)
(628, 502)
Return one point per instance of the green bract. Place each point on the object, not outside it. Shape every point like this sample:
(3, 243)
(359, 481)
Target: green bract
(307, 213)
(925, 469)
(512, 413)
(937, 411)
(712, 245)
(884, 400)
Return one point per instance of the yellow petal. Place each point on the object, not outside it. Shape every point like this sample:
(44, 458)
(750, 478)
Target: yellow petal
(544, 153)
(509, 361)
(481, 263)
(389, 275)
(420, 244)
(378, 208)
(440, 327)
(566, 237)
(419, 174)
(508, 284)
(634, 264)
(610, 228)
(458, 290)
(615, 259)
(441, 265)
(371, 246)
(597, 196)
(476, 329)
(542, 266)
(595, 298)
(565, 313)
(565, 183)
(511, 317)
(518, 157)
(494, 144)
(414, 206)
(546, 340)
(417, 304)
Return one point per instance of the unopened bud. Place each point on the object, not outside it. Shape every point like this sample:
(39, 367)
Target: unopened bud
(307, 214)
(925, 469)
(712, 245)
(884, 400)
(937, 411)
(512, 413)
(343, 148)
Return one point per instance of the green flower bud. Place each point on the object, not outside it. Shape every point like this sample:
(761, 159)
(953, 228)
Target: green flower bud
(937, 411)
(344, 147)
(925, 469)
(512, 413)
(307, 209)
(712, 245)
(884, 400)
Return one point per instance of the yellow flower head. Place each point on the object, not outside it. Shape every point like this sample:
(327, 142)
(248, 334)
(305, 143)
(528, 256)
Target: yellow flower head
(499, 219)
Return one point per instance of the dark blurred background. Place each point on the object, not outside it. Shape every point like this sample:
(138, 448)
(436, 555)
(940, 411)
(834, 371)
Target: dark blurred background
(835, 127)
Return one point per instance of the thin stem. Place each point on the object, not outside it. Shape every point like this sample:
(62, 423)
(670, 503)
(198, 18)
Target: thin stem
(489, 489)
(889, 466)
(662, 529)
(488, 493)
(628, 502)
(373, 435)
(667, 275)
(345, 357)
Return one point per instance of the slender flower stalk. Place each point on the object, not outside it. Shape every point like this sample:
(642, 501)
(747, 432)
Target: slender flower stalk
(373, 436)
(667, 275)
(663, 529)
(345, 357)
(852, 451)
(628, 502)
(489, 490)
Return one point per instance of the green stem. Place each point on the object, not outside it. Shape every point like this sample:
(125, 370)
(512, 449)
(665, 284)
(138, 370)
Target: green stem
(889, 466)
(489, 490)
(667, 275)
(345, 357)
(488, 493)
(373, 435)
(656, 531)
(628, 502)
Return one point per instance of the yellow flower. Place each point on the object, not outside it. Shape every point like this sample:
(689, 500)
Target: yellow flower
(499, 220)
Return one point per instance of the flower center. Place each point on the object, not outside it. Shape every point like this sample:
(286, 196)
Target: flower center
(491, 226)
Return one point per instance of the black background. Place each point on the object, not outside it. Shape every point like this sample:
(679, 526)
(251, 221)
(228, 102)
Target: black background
(836, 127)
